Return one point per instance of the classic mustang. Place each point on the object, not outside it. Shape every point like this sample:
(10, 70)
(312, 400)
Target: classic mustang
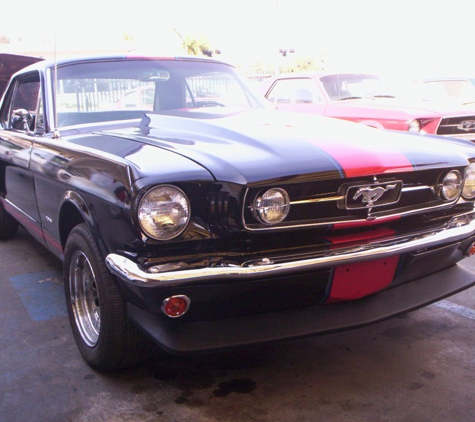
(365, 99)
(184, 208)
(449, 90)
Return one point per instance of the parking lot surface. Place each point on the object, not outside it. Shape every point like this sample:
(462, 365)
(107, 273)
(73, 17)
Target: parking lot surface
(417, 367)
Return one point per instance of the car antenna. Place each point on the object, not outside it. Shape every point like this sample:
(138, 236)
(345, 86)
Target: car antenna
(56, 134)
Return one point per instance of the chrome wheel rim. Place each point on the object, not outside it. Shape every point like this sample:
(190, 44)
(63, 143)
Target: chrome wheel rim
(84, 298)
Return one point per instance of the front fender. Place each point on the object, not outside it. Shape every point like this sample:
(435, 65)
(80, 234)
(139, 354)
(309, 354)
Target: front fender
(73, 211)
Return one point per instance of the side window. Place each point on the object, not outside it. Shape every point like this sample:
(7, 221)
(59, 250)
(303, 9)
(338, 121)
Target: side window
(25, 104)
(295, 91)
(40, 117)
(281, 92)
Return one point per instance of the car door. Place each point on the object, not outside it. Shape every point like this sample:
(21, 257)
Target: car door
(17, 135)
(298, 95)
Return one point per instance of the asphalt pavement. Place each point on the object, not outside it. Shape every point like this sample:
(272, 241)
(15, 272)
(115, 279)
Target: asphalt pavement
(418, 367)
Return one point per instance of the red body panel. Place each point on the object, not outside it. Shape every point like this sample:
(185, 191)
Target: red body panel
(355, 281)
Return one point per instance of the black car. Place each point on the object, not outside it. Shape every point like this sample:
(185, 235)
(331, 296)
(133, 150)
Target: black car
(199, 217)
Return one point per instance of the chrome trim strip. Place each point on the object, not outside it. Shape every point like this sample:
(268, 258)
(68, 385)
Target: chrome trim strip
(341, 197)
(374, 218)
(456, 124)
(309, 201)
(296, 224)
(459, 228)
(413, 188)
(8, 203)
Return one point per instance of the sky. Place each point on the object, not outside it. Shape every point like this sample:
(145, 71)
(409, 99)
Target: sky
(398, 37)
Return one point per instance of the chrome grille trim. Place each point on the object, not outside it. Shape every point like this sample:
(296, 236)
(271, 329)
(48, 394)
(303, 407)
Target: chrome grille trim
(451, 127)
(341, 197)
(374, 218)
(319, 203)
(414, 188)
(314, 200)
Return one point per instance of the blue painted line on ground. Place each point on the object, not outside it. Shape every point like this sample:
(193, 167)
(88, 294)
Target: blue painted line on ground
(41, 293)
(456, 309)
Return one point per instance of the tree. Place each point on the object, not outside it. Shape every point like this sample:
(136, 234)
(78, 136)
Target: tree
(4, 39)
(127, 37)
(194, 45)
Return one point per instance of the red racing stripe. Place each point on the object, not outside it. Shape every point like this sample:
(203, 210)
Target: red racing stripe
(365, 223)
(355, 281)
(351, 239)
(365, 158)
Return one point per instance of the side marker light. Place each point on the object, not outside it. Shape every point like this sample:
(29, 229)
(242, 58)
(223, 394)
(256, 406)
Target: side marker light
(176, 306)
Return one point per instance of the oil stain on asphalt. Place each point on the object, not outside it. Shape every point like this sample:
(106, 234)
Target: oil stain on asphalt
(238, 385)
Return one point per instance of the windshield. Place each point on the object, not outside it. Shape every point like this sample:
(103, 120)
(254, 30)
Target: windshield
(125, 89)
(350, 86)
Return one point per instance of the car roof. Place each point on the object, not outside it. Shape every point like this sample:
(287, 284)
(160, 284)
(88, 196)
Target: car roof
(78, 59)
(445, 78)
(318, 73)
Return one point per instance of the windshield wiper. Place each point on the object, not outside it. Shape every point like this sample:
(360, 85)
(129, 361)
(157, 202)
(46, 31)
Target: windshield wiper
(381, 96)
(350, 98)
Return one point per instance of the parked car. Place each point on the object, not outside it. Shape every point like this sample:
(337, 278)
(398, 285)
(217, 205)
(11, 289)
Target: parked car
(138, 98)
(214, 221)
(366, 99)
(446, 90)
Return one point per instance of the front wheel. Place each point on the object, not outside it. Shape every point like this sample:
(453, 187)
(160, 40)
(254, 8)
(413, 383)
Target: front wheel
(105, 336)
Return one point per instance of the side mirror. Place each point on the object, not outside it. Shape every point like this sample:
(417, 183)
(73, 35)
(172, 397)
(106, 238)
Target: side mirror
(22, 119)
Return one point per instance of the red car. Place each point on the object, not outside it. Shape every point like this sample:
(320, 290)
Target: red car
(455, 90)
(364, 98)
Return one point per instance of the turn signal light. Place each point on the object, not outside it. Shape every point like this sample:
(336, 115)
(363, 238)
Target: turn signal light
(176, 306)
(471, 250)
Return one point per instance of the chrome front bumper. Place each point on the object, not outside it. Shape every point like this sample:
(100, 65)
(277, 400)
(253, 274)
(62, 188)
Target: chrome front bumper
(460, 228)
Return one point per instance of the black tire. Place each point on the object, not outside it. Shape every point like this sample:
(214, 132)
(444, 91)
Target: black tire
(8, 225)
(105, 336)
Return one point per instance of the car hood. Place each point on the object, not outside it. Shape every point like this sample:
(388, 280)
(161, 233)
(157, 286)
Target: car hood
(451, 105)
(415, 108)
(256, 146)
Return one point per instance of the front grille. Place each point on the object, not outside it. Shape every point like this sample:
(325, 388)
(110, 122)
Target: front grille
(322, 202)
(460, 126)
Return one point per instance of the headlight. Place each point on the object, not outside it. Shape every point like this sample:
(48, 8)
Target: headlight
(272, 207)
(414, 126)
(451, 185)
(469, 185)
(164, 212)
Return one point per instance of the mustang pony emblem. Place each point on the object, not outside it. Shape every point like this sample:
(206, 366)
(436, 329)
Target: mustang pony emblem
(371, 195)
(467, 125)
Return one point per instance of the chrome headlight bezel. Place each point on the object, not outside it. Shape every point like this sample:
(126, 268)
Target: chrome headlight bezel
(468, 191)
(272, 206)
(163, 212)
(414, 126)
(451, 186)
